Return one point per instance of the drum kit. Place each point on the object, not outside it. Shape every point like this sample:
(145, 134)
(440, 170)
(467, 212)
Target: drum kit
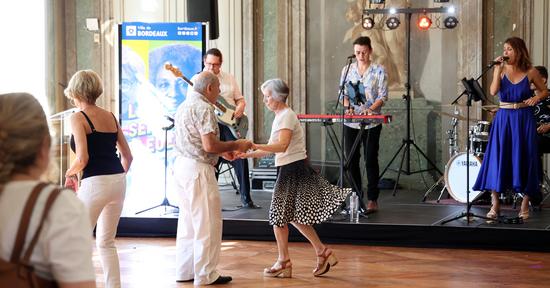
(456, 169)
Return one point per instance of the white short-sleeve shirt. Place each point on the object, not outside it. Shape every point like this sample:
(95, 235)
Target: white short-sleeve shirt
(287, 119)
(64, 248)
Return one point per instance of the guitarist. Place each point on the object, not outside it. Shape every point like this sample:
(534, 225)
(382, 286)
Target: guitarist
(231, 93)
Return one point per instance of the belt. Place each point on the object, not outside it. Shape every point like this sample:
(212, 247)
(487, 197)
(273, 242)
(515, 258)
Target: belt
(512, 105)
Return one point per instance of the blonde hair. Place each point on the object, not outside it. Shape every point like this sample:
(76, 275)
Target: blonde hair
(85, 85)
(23, 127)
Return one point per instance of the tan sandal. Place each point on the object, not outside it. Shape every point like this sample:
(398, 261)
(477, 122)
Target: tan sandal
(523, 214)
(493, 213)
(284, 269)
(325, 260)
(524, 210)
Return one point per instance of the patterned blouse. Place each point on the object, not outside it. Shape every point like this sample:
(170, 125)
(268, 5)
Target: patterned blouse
(195, 117)
(364, 90)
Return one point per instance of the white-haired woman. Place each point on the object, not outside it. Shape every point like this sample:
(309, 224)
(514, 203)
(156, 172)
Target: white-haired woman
(301, 196)
(95, 140)
(63, 251)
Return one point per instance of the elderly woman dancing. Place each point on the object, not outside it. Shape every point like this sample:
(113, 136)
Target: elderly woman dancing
(301, 197)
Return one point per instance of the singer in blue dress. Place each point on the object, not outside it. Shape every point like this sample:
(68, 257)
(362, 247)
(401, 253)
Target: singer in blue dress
(510, 160)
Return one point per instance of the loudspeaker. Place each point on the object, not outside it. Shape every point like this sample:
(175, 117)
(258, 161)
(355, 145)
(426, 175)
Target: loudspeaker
(204, 11)
(263, 178)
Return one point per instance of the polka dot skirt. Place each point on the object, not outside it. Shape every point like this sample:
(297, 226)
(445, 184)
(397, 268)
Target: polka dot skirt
(303, 196)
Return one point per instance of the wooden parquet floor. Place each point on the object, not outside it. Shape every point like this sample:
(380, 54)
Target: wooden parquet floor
(150, 262)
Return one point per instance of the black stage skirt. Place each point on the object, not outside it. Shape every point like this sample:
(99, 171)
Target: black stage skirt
(303, 196)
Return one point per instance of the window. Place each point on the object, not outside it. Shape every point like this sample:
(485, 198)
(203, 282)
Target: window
(22, 52)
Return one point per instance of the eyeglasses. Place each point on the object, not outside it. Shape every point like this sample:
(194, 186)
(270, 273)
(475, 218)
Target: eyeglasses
(212, 64)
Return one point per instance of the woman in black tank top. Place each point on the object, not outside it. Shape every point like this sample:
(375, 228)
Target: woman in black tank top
(96, 138)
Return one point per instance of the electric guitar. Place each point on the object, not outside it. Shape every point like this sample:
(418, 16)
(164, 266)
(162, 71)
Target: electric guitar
(224, 111)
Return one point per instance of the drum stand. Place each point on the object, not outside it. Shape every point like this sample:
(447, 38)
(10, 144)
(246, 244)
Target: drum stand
(453, 149)
(473, 92)
(545, 187)
(439, 181)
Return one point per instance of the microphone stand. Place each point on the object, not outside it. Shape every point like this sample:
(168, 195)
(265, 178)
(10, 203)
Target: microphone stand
(344, 158)
(473, 91)
(165, 202)
(478, 77)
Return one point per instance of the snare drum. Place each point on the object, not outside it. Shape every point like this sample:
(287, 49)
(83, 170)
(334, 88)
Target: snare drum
(481, 131)
(455, 176)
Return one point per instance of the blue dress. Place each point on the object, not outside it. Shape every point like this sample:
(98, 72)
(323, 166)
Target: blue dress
(511, 158)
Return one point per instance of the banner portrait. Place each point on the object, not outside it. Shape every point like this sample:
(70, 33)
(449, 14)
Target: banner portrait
(149, 95)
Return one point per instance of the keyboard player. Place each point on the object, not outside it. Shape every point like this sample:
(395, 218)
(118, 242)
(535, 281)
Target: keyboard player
(365, 91)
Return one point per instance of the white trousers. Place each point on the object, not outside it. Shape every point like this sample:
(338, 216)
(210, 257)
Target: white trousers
(104, 196)
(199, 235)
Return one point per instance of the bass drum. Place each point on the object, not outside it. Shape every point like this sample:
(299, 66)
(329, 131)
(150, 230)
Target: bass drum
(455, 176)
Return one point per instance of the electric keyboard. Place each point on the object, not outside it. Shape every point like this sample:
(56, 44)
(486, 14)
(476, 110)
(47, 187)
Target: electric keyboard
(332, 118)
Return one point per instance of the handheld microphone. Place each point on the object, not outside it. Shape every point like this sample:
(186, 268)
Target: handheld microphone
(351, 57)
(493, 63)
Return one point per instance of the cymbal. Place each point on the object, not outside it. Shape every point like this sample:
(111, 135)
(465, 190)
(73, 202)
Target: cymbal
(457, 116)
(453, 105)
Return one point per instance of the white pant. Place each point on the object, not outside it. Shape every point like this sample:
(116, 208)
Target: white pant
(103, 196)
(199, 236)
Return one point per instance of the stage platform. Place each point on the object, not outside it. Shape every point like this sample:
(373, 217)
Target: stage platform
(403, 220)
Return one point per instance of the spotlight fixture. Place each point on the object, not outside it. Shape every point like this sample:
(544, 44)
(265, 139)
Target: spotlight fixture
(377, 1)
(424, 22)
(450, 22)
(393, 22)
(368, 22)
(451, 10)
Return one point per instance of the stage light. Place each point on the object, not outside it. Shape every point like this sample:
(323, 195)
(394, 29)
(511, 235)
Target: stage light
(368, 22)
(377, 1)
(451, 10)
(393, 23)
(424, 22)
(441, 1)
(450, 22)
(393, 11)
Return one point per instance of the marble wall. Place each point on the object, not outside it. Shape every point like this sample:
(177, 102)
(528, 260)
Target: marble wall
(307, 42)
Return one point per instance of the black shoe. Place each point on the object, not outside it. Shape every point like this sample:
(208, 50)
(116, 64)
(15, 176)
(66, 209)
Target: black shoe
(188, 280)
(251, 205)
(222, 280)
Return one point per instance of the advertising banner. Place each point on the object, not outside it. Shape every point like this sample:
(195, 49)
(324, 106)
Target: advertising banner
(149, 96)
